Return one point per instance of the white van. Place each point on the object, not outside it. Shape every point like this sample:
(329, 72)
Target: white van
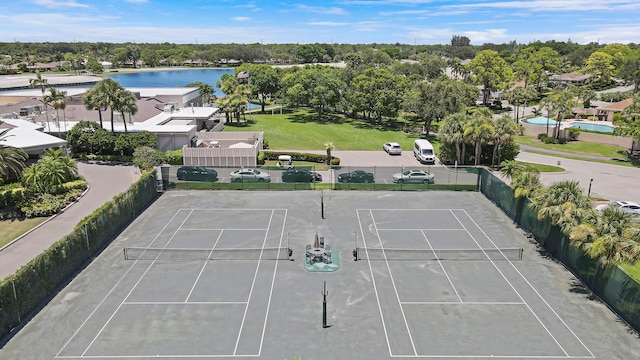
(423, 151)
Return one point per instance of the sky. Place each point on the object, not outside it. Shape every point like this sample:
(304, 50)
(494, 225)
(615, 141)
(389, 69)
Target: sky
(415, 22)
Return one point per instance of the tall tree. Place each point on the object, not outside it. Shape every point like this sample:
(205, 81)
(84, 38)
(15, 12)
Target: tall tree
(629, 122)
(207, 92)
(552, 202)
(452, 131)
(377, 93)
(504, 129)
(432, 102)
(42, 83)
(263, 81)
(491, 71)
(12, 159)
(479, 130)
(611, 237)
(93, 100)
(600, 67)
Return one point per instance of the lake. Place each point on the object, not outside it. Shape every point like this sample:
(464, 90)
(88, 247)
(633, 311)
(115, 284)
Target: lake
(171, 78)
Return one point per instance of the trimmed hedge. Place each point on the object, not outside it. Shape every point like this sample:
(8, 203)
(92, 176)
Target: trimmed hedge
(319, 158)
(34, 283)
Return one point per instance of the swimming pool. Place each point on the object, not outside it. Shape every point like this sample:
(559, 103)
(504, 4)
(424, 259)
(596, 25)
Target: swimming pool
(541, 120)
(592, 127)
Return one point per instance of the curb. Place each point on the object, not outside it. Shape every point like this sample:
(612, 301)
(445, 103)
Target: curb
(44, 222)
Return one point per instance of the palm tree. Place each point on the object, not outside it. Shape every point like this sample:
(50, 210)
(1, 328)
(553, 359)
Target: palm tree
(105, 93)
(126, 103)
(549, 202)
(611, 237)
(12, 159)
(526, 184)
(92, 99)
(479, 131)
(42, 83)
(329, 147)
(63, 162)
(452, 132)
(54, 168)
(504, 129)
(511, 168)
(58, 99)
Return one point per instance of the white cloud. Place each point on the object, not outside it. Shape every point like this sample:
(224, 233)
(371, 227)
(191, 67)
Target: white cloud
(328, 23)
(59, 4)
(241, 18)
(555, 5)
(321, 10)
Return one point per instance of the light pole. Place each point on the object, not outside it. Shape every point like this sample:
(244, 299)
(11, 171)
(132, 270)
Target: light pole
(589, 191)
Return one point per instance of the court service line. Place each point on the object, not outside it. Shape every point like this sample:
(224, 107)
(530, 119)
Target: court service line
(462, 303)
(244, 210)
(373, 281)
(212, 356)
(533, 288)
(203, 266)
(441, 266)
(494, 357)
(115, 286)
(419, 228)
(227, 229)
(133, 288)
(253, 284)
(386, 210)
(184, 303)
(511, 285)
(273, 281)
(393, 282)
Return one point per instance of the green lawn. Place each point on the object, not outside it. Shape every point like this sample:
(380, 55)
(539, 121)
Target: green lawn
(542, 167)
(576, 147)
(633, 270)
(11, 229)
(300, 130)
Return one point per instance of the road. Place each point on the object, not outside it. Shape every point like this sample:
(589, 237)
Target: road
(105, 181)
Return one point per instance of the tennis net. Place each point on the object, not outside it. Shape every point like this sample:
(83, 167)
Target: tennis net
(273, 253)
(393, 254)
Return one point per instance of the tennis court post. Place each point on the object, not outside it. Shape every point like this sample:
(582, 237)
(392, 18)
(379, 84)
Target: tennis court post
(324, 305)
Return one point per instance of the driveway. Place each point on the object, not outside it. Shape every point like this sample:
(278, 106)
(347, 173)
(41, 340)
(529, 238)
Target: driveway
(105, 181)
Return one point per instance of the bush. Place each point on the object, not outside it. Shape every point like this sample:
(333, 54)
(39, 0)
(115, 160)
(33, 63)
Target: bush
(573, 134)
(174, 157)
(319, 158)
(11, 197)
(562, 140)
(261, 158)
(42, 205)
(80, 185)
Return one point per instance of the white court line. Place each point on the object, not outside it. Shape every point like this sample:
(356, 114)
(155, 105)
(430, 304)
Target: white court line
(386, 210)
(373, 281)
(114, 286)
(244, 210)
(419, 228)
(493, 357)
(534, 289)
(511, 285)
(462, 303)
(203, 266)
(393, 282)
(153, 356)
(184, 303)
(253, 284)
(273, 281)
(132, 289)
(441, 266)
(227, 229)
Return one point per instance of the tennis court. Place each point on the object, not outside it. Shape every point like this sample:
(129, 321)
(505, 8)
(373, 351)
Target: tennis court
(210, 275)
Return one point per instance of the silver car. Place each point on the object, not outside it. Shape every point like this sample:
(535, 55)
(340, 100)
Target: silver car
(392, 148)
(624, 206)
(414, 177)
(250, 175)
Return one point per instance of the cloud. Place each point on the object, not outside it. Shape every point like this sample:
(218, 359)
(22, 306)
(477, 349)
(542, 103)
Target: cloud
(555, 5)
(321, 10)
(241, 18)
(328, 23)
(59, 4)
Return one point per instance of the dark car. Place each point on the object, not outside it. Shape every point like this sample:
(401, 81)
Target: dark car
(300, 175)
(197, 173)
(357, 176)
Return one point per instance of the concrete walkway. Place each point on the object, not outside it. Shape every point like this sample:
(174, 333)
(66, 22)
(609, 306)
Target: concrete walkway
(105, 181)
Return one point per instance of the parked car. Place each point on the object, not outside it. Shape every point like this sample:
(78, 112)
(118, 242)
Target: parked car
(300, 175)
(357, 176)
(414, 177)
(250, 175)
(625, 206)
(196, 173)
(392, 148)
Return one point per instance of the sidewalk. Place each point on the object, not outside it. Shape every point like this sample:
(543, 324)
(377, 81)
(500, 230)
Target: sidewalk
(105, 181)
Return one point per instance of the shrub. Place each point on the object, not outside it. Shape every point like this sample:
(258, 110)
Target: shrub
(173, 157)
(261, 158)
(80, 185)
(573, 134)
(42, 205)
(562, 140)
